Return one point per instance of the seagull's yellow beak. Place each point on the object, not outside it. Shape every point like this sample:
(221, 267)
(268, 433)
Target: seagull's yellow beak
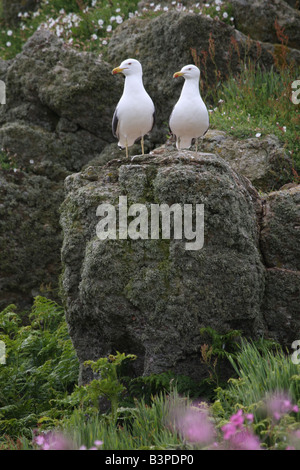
(177, 74)
(117, 70)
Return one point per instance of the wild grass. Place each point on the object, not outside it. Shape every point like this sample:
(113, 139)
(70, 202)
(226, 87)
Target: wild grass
(257, 103)
(39, 395)
(260, 371)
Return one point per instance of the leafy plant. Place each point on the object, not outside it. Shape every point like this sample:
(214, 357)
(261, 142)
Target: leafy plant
(41, 365)
(260, 370)
(145, 387)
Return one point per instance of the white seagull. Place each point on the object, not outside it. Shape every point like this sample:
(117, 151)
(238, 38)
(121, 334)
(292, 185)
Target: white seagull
(189, 118)
(135, 113)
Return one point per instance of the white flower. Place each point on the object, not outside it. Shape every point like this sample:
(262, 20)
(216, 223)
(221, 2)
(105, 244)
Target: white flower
(31, 162)
(119, 19)
(62, 11)
(101, 23)
(258, 134)
(112, 18)
(8, 44)
(94, 37)
(118, 10)
(104, 42)
(284, 128)
(109, 28)
(225, 14)
(59, 30)
(218, 8)
(94, 3)
(9, 32)
(166, 8)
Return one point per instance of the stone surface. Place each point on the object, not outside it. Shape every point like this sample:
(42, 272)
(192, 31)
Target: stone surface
(56, 119)
(280, 246)
(151, 297)
(256, 18)
(59, 106)
(30, 237)
(263, 160)
(280, 233)
(281, 306)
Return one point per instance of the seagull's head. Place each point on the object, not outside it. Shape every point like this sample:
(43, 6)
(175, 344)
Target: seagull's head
(188, 72)
(129, 67)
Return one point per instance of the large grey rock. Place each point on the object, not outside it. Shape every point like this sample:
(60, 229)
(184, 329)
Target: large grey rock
(30, 237)
(280, 233)
(280, 245)
(257, 18)
(281, 305)
(151, 297)
(263, 160)
(59, 106)
(56, 119)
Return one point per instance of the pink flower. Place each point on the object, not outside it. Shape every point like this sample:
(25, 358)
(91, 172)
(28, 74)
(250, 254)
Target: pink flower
(229, 430)
(244, 440)
(238, 419)
(98, 443)
(53, 441)
(195, 426)
(280, 404)
(39, 440)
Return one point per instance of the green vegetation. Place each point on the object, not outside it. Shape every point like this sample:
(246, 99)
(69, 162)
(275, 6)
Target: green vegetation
(41, 366)
(257, 103)
(39, 390)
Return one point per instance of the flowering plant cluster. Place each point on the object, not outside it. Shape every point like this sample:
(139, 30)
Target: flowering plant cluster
(57, 441)
(90, 25)
(198, 428)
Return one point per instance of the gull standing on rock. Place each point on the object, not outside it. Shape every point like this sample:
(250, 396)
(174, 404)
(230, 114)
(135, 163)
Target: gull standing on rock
(189, 118)
(135, 113)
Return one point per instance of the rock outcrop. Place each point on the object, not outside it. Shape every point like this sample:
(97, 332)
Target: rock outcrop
(263, 160)
(151, 297)
(57, 117)
(280, 245)
(260, 18)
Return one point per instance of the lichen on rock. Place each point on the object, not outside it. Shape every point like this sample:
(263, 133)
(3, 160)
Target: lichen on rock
(151, 297)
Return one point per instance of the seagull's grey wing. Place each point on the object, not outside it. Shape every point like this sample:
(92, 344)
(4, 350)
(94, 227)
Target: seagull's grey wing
(115, 124)
(154, 119)
(171, 132)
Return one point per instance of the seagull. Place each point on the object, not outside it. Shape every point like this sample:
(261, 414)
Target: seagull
(189, 118)
(135, 113)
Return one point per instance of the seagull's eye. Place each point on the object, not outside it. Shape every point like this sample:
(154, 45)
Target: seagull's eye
(129, 63)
